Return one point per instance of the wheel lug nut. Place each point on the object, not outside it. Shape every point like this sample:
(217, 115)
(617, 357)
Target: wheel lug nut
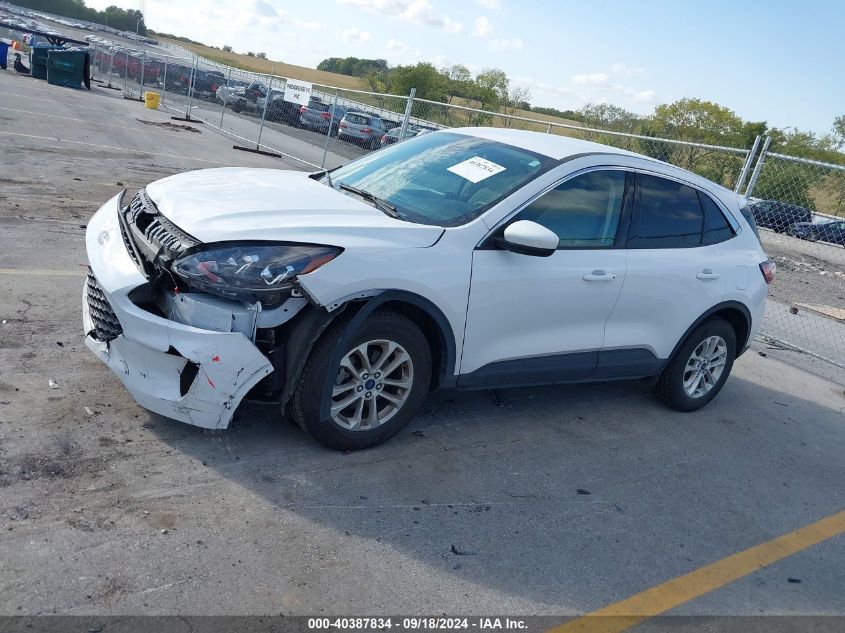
(377, 374)
(369, 394)
(360, 388)
(379, 386)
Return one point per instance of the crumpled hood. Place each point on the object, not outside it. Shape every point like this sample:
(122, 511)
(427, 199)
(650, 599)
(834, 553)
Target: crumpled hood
(239, 203)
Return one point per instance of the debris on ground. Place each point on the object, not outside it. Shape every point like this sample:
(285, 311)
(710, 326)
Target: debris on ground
(462, 552)
(794, 581)
(581, 491)
(169, 126)
(53, 384)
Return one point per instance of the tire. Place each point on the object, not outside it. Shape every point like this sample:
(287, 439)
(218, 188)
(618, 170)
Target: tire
(374, 144)
(376, 334)
(670, 387)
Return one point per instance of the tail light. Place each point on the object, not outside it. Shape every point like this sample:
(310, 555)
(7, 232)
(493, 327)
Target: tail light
(384, 139)
(768, 268)
(367, 130)
(213, 87)
(302, 110)
(325, 115)
(342, 124)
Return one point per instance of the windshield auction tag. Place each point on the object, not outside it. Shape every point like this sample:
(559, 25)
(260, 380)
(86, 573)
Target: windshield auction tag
(476, 169)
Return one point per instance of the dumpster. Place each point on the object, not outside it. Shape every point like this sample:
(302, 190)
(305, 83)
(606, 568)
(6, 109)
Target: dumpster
(38, 60)
(69, 67)
(151, 100)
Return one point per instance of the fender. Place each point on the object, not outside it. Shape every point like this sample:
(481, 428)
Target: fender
(448, 352)
(736, 305)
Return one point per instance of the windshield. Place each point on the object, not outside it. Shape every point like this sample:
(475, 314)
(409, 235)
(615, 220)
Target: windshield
(444, 178)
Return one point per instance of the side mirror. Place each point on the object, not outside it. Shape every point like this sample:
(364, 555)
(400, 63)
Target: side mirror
(529, 238)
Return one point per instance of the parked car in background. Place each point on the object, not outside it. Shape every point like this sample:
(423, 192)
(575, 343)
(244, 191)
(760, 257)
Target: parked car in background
(252, 99)
(225, 92)
(319, 116)
(206, 84)
(833, 231)
(392, 135)
(362, 128)
(283, 111)
(779, 216)
(473, 258)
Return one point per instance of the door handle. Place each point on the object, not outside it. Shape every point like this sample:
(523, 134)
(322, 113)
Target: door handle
(707, 274)
(599, 275)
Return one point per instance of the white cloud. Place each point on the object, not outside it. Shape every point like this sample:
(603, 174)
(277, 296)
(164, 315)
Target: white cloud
(417, 11)
(264, 9)
(483, 28)
(508, 44)
(590, 79)
(493, 5)
(356, 35)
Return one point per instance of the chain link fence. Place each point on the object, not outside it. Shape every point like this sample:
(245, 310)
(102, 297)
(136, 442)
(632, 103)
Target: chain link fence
(797, 202)
(799, 205)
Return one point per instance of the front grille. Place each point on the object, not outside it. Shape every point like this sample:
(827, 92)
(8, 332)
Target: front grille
(106, 326)
(150, 238)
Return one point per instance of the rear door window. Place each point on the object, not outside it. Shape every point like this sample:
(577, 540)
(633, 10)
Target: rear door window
(667, 214)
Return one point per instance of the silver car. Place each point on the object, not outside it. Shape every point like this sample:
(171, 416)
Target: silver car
(361, 128)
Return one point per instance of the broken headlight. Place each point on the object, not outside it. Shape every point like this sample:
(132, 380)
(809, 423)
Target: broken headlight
(251, 272)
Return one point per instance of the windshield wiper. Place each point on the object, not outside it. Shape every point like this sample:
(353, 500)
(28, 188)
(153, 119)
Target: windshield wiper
(380, 203)
(319, 174)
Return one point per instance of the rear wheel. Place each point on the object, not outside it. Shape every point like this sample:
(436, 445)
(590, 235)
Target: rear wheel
(699, 368)
(377, 387)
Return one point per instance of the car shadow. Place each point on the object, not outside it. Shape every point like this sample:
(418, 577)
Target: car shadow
(552, 493)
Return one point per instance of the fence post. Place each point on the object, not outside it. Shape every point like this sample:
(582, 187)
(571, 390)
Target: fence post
(111, 66)
(164, 84)
(757, 168)
(225, 98)
(407, 113)
(126, 74)
(191, 90)
(329, 131)
(744, 173)
(143, 68)
(264, 112)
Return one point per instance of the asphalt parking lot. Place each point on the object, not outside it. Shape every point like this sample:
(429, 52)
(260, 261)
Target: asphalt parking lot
(561, 501)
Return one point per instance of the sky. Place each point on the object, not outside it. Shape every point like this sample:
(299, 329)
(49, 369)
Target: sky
(768, 60)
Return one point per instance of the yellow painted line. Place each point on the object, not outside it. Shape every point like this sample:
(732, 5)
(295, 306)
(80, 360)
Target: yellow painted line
(663, 597)
(35, 272)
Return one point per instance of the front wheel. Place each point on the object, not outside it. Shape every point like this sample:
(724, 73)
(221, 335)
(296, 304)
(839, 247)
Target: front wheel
(376, 388)
(699, 368)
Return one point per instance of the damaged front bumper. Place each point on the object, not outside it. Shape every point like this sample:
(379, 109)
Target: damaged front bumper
(190, 374)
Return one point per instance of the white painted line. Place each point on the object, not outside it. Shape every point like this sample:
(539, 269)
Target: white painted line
(121, 149)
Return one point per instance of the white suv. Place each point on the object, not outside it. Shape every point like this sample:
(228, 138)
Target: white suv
(469, 258)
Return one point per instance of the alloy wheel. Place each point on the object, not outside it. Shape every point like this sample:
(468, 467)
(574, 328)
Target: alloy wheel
(373, 382)
(705, 366)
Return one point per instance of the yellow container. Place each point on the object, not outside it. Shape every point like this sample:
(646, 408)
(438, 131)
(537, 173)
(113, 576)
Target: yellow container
(151, 100)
